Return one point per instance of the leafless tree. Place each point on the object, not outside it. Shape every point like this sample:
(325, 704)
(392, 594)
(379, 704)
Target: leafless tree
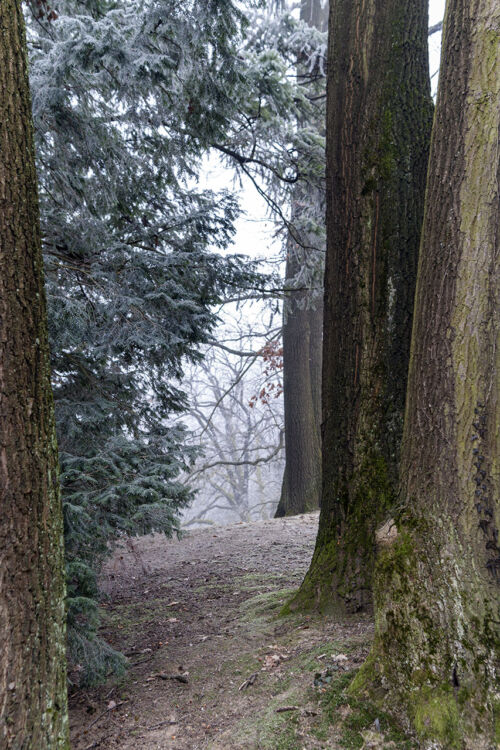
(236, 416)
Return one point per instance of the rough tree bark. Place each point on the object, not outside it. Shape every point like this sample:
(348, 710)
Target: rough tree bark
(378, 129)
(33, 711)
(437, 591)
(302, 351)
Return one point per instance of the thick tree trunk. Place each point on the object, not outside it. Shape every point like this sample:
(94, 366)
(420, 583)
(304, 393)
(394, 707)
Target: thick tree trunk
(378, 128)
(302, 351)
(437, 591)
(33, 711)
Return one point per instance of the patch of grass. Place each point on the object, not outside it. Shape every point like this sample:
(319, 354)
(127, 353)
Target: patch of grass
(309, 661)
(212, 587)
(255, 577)
(361, 716)
(243, 666)
(247, 582)
(273, 731)
(264, 605)
(334, 697)
(320, 732)
(351, 739)
(127, 618)
(236, 665)
(282, 684)
(286, 738)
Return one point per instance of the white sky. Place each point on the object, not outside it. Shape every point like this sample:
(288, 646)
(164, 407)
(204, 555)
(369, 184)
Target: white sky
(436, 14)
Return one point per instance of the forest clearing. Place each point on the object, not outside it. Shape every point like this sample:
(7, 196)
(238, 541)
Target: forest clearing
(205, 609)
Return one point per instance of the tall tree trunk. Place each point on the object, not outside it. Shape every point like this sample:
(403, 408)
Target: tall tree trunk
(378, 128)
(302, 349)
(33, 710)
(437, 590)
(302, 335)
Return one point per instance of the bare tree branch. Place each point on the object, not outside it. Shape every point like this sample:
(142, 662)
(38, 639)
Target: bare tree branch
(256, 462)
(252, 160)
(239, 353)
(434, 29)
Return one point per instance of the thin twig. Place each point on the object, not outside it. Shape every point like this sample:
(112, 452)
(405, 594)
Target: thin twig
(256, 462)
(434, 29)
(159, 725)
(177, 677)
(250, 681)
(106, 711)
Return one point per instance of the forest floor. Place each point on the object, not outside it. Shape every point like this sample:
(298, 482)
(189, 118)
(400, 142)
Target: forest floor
(212, 664)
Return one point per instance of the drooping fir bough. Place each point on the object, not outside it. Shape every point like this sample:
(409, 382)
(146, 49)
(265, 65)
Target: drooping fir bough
(33, 704)
(437, 587)
(378, 126)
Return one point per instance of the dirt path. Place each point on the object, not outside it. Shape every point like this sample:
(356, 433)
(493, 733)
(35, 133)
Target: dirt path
(211, 662)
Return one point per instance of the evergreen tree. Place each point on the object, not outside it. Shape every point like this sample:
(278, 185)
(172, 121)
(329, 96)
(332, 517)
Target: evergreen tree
(127, 97)
(33, 705)
(437, 642)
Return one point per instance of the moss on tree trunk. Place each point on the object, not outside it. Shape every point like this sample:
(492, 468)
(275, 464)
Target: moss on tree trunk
(378, 130)
(33, 710)
(437, 587)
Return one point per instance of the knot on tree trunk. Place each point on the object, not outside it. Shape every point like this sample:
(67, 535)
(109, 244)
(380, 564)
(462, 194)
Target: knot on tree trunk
(387, 534)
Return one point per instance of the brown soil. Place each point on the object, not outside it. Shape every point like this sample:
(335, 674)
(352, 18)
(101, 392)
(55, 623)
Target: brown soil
(205, 609)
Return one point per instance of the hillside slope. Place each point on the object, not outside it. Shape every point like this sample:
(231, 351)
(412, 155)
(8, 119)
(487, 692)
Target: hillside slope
(212, 663)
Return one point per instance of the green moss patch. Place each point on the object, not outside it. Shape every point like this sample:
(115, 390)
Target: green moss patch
(264, 605)
(309, 662)
(436, 717)
(354, 717)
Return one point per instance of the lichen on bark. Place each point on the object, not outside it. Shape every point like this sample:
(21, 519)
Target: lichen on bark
(437, 594)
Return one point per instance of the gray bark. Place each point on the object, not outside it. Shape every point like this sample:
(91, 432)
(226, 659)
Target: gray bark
(437, 646)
